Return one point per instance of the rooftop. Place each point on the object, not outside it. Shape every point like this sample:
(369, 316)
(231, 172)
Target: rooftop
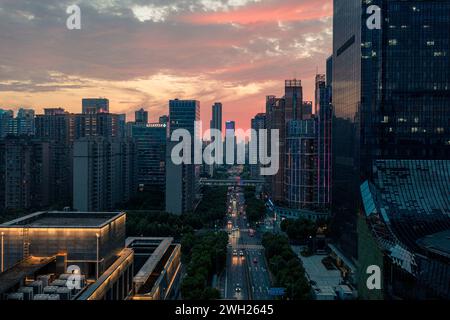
(63, 219)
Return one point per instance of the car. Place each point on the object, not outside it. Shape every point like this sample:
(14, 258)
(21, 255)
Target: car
(255, 260)
(238, 288)
(241, 253)
(235, 253)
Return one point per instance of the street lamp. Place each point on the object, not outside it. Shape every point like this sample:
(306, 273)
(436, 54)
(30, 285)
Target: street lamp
(97, 268)
(3, 253)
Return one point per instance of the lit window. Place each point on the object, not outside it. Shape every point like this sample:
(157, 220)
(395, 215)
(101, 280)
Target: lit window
(393, 42)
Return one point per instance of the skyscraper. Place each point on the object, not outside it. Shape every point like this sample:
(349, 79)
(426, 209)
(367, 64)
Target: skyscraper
(293, 95)
(99, 105)
(24, 173)
(301, 164)
(230, 142)
(150, 154)
(181, 180)
(6, 119)
(216, 121)
(275, 121)
(257, 123)
(390, 90)
(103, 173)
(279, 112)
(324, 118)
(55, 126)
(99, 124)
(141, 117)
(390, 99)
(23, 124)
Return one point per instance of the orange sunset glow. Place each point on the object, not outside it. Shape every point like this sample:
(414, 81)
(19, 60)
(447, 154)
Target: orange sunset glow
(144, 53)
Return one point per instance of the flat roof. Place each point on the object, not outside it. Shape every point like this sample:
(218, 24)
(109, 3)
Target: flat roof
(64, 219)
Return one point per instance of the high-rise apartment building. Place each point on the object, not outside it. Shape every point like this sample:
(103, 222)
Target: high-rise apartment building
(6, 122)
(56, 127)
(99, 124)
(103, 173)
(24, 173)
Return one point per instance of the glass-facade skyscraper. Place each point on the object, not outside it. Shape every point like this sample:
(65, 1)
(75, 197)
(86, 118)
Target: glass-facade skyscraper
(181, 180)
(390, 92)
(216, 121)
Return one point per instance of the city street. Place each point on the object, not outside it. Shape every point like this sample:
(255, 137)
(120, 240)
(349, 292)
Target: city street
(246, 275)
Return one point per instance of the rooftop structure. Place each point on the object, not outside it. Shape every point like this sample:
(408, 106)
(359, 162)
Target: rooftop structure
(42, 252)
(75, 234)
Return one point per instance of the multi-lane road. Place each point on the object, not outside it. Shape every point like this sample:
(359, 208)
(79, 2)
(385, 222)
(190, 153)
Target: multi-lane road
(246, 276)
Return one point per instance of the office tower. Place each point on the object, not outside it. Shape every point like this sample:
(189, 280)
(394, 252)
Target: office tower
(216, 121)
(6, 119)
(257, 123)
(392, 104)
(93, 106)
(324, 118)
(24, 173)
(181, 180)
(390, 98)
(56, 127)
(103, 173)
(293, 96)
(150, 143)
(141, 117)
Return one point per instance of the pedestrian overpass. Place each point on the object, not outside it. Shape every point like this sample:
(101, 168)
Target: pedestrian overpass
(232, 182)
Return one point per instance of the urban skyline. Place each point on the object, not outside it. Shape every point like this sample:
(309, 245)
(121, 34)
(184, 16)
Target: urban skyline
(341, 191)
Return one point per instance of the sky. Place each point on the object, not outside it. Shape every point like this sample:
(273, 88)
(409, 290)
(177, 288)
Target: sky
(142, 53)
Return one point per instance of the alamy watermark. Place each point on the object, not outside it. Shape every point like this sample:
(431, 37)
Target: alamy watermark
(74, 280)
(73, 22)
(373, 22)
(189, 149)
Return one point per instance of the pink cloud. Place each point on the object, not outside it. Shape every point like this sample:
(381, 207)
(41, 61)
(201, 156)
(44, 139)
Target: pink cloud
(266, 13)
